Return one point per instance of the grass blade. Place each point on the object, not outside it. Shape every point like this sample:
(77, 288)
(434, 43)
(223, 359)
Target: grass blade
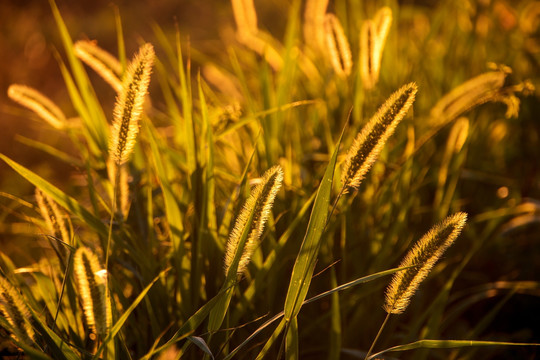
(447, 344)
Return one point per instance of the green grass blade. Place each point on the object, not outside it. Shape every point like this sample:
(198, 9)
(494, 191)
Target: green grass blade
(307, 257)
(58, 347)
(98, 123)
(447, 344)
(291, 345)
(270, 341)
(121, 321)
(64, 200)
(201, 344)
(188, 327)
(48, 149)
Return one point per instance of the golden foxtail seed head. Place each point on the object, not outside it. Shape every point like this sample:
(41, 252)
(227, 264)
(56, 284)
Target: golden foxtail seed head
(337, 46)
(92, 286)
(54, 219)
(129, 105)
(369, 142)
(258, 208)
(103, 63)
(14, 309)
(425, 254)
(38, 103)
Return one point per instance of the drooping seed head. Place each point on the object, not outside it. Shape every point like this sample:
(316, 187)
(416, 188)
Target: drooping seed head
(369, 142)
(424, 254)
(39, 104)
(476, 91)
(103, 63)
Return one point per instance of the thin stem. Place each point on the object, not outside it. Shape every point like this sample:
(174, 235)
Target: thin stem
(64, 280)
(377, 337)
(113, 210)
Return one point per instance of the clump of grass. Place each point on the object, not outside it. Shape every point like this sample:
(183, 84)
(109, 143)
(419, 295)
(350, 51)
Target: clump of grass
(180, 168)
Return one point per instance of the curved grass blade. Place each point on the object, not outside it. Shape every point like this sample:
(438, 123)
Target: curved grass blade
(121, 321)
(305, 261)
(310, 300)
(59, 196)
(447, 344)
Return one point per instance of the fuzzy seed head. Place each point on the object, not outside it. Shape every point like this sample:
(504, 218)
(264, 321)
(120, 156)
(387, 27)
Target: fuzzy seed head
(53, 217)
(102, 62)
(245, 16)
(259, 204)
(13, 308)
(476, 91)
(314, 13)
(425, 254)
(373, 36)
(39, 104)
(369, 142)
(129, 105)
(337, 45)
(92, 289)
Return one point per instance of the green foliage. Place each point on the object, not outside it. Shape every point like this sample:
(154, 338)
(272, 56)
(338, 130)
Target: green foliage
(157, 220)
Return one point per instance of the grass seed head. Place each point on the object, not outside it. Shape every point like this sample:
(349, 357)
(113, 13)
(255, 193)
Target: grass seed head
(13, 308)
(314, 14)
(53, 217)
(337, 46)
(369, 142)
(38, 103)
(92, 289)
(425, 254)
(129, 105)
(259, 204)
(103, 63)
(245, 16)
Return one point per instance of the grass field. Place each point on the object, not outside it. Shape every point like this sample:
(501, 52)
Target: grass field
(304, 180)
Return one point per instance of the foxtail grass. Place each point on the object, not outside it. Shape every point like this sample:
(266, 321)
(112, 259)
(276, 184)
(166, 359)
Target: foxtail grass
(245, 16)
(129, 105)
(258, 205)
(39, 104)
(337, 46)
(92, 287)
(314, 14)
(54, 219)
(373, 36)
(476, 91)
(101, 61)
(14, 310)
(419, 260)
(425, 254)
(369, 142)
